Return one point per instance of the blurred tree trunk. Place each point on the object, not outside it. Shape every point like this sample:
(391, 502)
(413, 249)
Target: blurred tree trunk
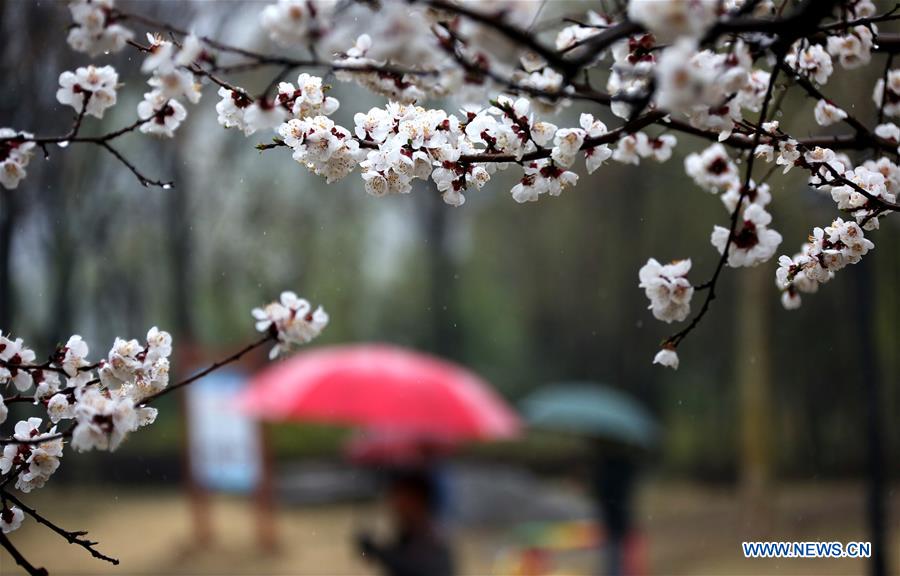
(177, 215)
(753, 368)
(434, 217)
(869, 374)
(8, 209)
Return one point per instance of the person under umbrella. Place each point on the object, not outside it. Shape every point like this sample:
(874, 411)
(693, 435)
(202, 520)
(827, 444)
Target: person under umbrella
(417, 547)
(621, 430)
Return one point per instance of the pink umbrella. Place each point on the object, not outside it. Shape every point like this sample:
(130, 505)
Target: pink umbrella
(384, 388)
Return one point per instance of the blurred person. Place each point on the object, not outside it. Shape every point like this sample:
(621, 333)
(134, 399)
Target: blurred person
(418, 547)
(613, 482)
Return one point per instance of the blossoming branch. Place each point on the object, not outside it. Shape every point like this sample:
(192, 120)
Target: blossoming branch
(98, 404)
(708, 69)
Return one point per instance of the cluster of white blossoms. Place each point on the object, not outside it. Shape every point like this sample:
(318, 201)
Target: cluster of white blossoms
(15, 154)
(35, 459)
(307, 99)
(161, 110)
(322, 146)
(107, 399)
(397, 144)
(103, 398)
(291, 320)
(828, 250)
(752, 241)
(670, 293)
(674, 66)
(89, 88)
(668, 289)
(812, 61)
(710, 89)
(95, 30)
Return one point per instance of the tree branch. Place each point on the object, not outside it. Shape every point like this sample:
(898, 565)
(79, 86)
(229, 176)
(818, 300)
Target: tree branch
(19, 558)
(71, 537)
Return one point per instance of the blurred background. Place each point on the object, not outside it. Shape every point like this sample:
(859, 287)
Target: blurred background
(766, 432)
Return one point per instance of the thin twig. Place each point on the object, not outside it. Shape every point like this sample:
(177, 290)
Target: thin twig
(76, 538)
(675, 339)
(212, 367)
(19, 558)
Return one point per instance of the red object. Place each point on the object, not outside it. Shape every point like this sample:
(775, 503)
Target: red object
(381, 387)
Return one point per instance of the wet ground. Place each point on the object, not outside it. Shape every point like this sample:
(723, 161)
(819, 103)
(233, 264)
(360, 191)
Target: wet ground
(686, 529)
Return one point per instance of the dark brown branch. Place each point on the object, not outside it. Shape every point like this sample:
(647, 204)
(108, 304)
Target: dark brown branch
(862, 132)
(144, 180)
(211, 368)
(514, 33)
(19, 558)
(846, 25)
(76, 538)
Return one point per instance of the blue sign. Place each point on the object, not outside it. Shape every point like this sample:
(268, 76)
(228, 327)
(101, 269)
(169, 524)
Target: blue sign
(225, 444)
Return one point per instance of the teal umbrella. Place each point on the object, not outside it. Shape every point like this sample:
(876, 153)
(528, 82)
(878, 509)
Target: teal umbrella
(591, 409)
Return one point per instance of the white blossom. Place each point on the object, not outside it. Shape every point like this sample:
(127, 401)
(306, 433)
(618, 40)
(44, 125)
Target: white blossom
(93, 33)
(95, 85)
(853, 49)
(11, 519)
(264, 115)
(308, 98)
(231, 110)
(295, 22)
(667, 357)
(888, 131)
(668, 19)
(828, 114)
(627, 149)
(892, 93)
(162, 115)
(59, 408)
(542, 177)
(15, 154)
(35, 460)
(571, 36)
(14, 353)
(103, 419)
(192, 48)
(177, 83)
(668, 289)
(566, 145)
(788, 154)
(712, 170)
(291, 320)
(752, 243)
(812, 61)
(595, 156)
